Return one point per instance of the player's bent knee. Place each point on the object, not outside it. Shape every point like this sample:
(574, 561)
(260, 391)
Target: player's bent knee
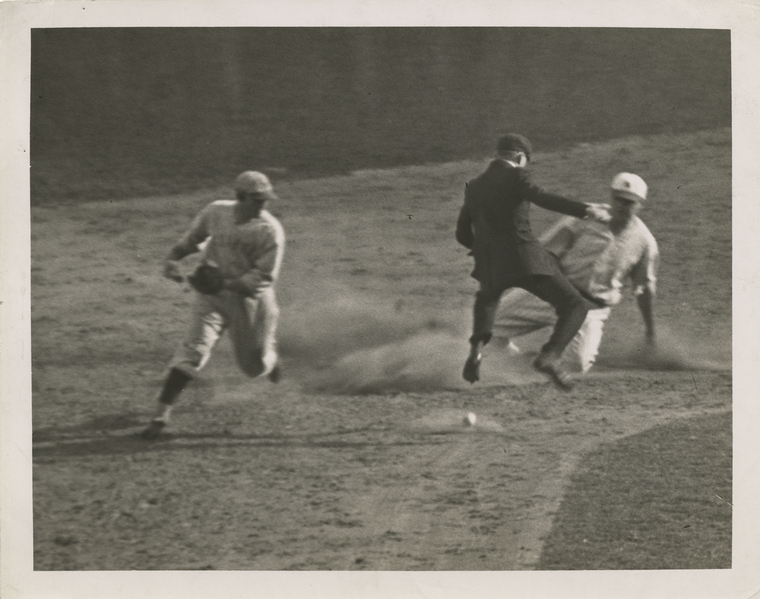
(574, 308)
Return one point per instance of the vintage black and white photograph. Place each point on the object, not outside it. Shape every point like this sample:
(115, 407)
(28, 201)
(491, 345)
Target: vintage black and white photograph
(381, 297)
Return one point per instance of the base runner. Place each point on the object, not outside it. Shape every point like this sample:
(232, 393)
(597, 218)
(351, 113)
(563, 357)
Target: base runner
(597, 259)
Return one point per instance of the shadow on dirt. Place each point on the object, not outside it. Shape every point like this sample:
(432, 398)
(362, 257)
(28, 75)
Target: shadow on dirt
(81, 440)
(105, 423)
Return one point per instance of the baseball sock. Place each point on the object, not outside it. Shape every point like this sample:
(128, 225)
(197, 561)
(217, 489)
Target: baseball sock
(174, 384)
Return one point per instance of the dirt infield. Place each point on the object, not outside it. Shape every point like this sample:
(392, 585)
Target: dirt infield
(359, 459)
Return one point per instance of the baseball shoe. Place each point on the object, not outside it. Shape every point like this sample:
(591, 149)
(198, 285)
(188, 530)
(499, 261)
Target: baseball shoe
(471, 372)
(507, 345)
(275, 374)
(512, 349)
(153, 430)
(552, 367)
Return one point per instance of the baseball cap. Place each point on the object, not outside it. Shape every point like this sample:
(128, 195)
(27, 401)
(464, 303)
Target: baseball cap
(255, 182)
(629, 186)
(514, 142)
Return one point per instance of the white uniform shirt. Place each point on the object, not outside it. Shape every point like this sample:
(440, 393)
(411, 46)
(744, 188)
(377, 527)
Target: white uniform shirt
(251, 251)
(598, 262)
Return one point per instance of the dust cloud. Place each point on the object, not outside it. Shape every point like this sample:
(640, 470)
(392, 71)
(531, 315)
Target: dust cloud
(357, 344)
(673, 351)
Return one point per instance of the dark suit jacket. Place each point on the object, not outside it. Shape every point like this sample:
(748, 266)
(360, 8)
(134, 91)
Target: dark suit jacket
(494, 223)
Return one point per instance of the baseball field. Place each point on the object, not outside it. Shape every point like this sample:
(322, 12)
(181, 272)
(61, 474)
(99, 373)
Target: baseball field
(359, 458)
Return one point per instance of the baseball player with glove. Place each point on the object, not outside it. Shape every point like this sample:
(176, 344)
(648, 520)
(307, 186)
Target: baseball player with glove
(243, 247)
(597, 259)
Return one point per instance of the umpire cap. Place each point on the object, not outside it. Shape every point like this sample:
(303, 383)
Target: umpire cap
(255, 182)
(513, 142)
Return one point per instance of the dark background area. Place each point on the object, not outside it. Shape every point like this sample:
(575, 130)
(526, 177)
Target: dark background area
(119, 112)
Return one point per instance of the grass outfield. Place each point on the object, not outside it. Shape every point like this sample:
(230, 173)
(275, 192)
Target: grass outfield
(660, 499)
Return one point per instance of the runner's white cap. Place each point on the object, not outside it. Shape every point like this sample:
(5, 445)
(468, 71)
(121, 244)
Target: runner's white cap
(629, 186)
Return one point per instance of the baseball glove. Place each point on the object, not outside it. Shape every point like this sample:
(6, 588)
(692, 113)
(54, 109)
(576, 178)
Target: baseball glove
(207, 279)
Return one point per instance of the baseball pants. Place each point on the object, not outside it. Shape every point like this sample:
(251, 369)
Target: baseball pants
(521, 313)
(251, 323)
(570, 308)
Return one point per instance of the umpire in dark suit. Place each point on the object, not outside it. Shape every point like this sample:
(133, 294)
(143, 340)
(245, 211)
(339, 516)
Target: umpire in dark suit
(494, 223)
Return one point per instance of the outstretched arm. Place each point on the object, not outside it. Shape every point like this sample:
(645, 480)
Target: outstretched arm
(561, 204)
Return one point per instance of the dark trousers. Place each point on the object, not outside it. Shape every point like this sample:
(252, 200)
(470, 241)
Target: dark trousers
(570, 306)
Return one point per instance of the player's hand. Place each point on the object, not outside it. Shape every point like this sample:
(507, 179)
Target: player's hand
(599, 212)
(172, 271)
